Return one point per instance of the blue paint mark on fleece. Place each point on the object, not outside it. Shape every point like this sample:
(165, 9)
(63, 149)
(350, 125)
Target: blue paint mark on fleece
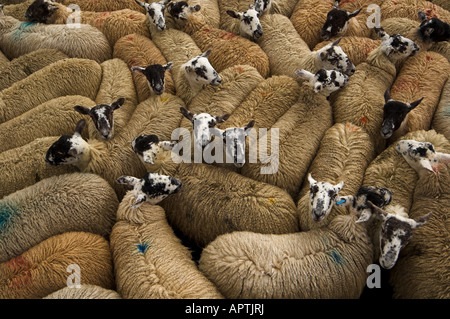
(6, 212)
(17, 34)
(142, 248)
(336, 257)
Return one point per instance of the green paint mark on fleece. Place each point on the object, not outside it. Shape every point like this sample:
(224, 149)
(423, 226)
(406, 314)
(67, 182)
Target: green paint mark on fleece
(336, 257)
(17, 34)
(6, 212)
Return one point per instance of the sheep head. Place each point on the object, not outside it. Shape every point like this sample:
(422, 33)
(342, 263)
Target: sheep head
(155, 75)
(324, 80)
(40, 11)
(322, 197)
(181, 10)
(155, 12)
(200, 72)
(249, 26)
(433, 30)
(147, 146)
(396, 46)
(332, 57)
(337, 22)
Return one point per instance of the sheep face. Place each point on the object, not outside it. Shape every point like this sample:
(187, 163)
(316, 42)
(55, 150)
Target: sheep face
(337, 22)
(155, 75)
(396, 45)
(421, 155)
(394, 114)
(324, 80)
(377, 195)
(152, 188)
(332, 57)
(234, 141)
(40, 11)
(155, 12)
(180, 10)
(322, 197)
(203, 123)
(199, 71)
(433, 30)
(249, 26)
(262, 6)
(147, 147)
(68, 149)
(102, 116)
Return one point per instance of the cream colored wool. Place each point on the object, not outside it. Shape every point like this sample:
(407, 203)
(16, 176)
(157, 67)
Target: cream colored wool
(21, 67)
(137, 50)
(423, 75)
(296, 145)
(361, 101)
(150, 262)
(113, 24)
(55, 205)
(64, 77)
(344, 154)
(52, 118)
(228, 49)
(84, 292)
(117, 82)
(105, 5)
(441, 118)
(215, 201)
(410, 8)
(356, 48)
(422, 272)
(86, 42)
(24, 166)
(17, 10)
(209, 10)
(325, 263)
(44, 268)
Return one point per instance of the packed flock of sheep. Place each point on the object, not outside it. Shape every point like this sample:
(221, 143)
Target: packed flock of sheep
(349, 100)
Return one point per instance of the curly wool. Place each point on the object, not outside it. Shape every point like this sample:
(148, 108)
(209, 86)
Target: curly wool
(137, 50)
(297, 146)
(104, 5)
(328, 262)
(16, 10)
(43, 269)
(344, 154)
(55, 205)
(64, 77)
(21, 67)
(410, 8)
(84, 292)
(150, 262)
(441, 118)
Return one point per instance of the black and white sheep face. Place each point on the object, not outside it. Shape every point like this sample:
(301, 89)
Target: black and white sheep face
(324, 80)
(396, 45)
(433, 30)
(322, 197)
(262, 6)
(421, 155)
(155, 12)
(180, 10)
(147, 147)
(203, 122)
(394, 114)
(200, 71)
(332, 57)
(152, 188)
(249, 26)
(337, 22)
(40, 11)
(155, 75)
(68, 149)
(102, 116)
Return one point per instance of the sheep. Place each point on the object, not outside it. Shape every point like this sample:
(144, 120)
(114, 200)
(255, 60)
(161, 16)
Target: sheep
(412, 100)
(227, 48)
(356, 48)
(345, 152)
(21, 67)
(297, 265)
(441, 118)
(84, 41)
(64, 77)
(150, 262)
(51, 118)
(84, 292)
(310, 112)
(422, 270)
(280, 33)
(371, 79)
(57, 262)
(113, 24)
(58, 204)
(324, 81)
(139, 51)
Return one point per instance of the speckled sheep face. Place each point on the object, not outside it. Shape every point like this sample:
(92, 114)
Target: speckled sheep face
(152, 188)
(322, 197)
(155, 75)
(262, 6)
(329, 80)
(40, 11)
(433, 30)
(180, 10)
(332, 57)
(146, 147)
(155, 12)
(200, 71)
(249, 26)
(337, 22)
(102, 116)
(68, 149)
(396, 45)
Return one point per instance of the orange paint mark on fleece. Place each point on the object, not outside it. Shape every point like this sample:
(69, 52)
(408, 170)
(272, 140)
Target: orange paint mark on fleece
(130, 38)
(351, 127)
(227, 35)
(239, 69)
(363, 120)
(21, 269)
(405, 84)
(266, 93)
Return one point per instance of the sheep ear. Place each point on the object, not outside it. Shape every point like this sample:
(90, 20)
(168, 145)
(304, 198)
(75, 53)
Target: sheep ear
(443, 157)
(80, 126)
(137, 69)
(234, 14)
(195, 8)
(141, 198)
(414, 104)
(187, 114)
(387, 95)
(422, 16)
(1, 8)
(336, 42)
(420, 221)
(128, 180)
(381, 33)
(303, 74)
(249, 126)
(168, 66)
(339, 186)
(118, 103)
(426, 164)
(377, 211)
(222, 118)
(206, 54)
(311, 179)
(82, 109)
(353, 14)
(336, 4)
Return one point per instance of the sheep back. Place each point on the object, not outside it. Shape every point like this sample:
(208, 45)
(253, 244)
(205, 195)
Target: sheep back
(105, 5)
(58, 204)
(150, 262)
(441, 119)
(84, 292)
(409, 8)
(322, 263)
(44, 268)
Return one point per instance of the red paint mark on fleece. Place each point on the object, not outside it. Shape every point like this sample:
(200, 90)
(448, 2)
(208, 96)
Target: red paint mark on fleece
(363, 120)
(130, 38)
(429, 58)
(227, 35)
(21, 270)
(351, 127)
(131, 16)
